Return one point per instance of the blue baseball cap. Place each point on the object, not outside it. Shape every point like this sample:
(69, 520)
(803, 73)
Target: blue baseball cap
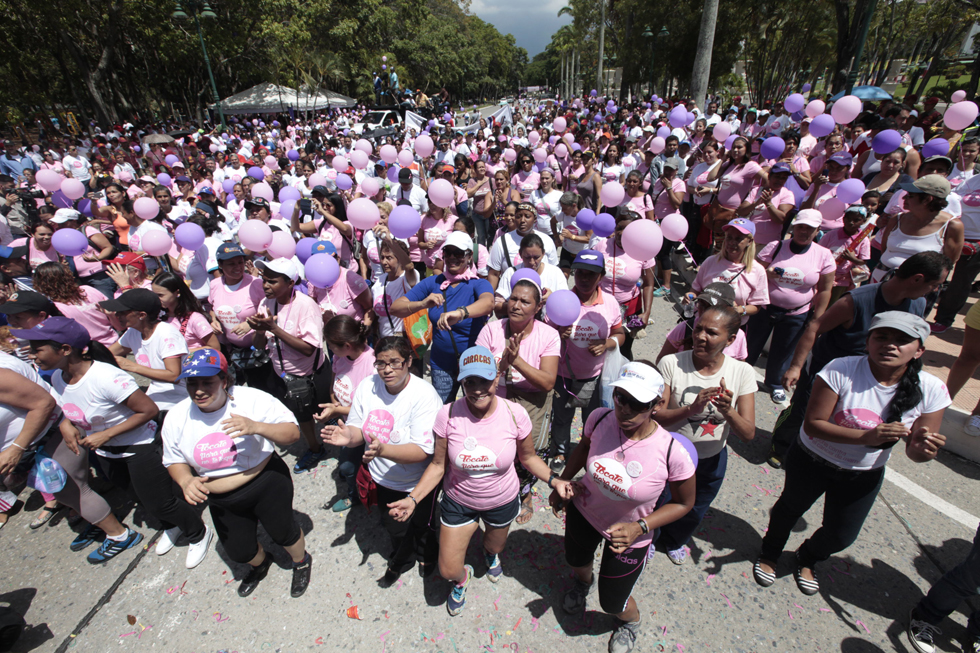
(228, 251)
(323, 247)
(203, 362)
(591, 260)
(62, 330)
(477, 361)
(744, 225)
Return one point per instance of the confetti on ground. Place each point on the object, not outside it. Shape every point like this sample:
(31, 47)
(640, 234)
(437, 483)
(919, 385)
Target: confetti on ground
(797, 605)
(825, 610)
(352, 612)
(790, 614)
(764, 470)
(534, 624)
(840, 571)
(708, 580)
(383, 635)
(762, 489)
(860, 623)
(518, 623)
(727, 599)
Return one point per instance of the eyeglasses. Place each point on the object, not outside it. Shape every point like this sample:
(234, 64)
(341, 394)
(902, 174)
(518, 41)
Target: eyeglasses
(395, 365)
(624, 400)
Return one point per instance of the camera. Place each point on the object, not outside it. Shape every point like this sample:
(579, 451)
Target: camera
(25, 194)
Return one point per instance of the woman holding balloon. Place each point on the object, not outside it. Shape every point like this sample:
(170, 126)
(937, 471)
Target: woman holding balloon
(735, 176)
(735, 264)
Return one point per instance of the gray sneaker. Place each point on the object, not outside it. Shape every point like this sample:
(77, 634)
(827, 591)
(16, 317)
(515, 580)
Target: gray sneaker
(922, 634)
(575, 598)
(624, 637)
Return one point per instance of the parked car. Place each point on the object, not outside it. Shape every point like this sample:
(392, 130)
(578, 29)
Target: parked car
(377, 120)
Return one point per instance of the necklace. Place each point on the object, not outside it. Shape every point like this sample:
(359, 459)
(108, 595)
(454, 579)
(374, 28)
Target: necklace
(621, 454)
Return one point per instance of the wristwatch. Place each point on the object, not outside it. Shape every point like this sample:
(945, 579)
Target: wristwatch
(466, 312)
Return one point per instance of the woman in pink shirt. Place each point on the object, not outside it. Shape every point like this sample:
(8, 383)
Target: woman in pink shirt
(353, 361)
(39, 249)
(526, 180)
(767, 205)
(622, 274)
(437, 224)
(629, 460)
(735, 176)
(478, 440)
(80, 303)
(527, 352)
(184, 311)
(735, 264)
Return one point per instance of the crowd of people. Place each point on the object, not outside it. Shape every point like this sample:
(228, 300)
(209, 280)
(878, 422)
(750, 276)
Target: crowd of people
(433, 308)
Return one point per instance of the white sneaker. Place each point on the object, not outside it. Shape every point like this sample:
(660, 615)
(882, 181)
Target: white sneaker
(197, 552)
(167, 540)
(973, 426)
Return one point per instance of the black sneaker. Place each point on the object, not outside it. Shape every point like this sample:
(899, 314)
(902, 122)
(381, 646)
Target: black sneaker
(301, 576)
(255, 576)
(86, 537)
(922, 635)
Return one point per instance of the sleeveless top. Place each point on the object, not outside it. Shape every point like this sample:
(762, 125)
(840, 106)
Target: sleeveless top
(871, 165)
(901, 245)
(586, 188)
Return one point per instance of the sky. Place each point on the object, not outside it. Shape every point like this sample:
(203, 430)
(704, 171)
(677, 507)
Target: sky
(532, 24)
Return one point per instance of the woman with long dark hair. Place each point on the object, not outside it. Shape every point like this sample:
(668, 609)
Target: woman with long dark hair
(736, 175)
(184, 311)
(81, 303)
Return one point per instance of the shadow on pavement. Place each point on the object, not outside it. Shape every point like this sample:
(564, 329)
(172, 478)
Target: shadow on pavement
(33, 635)
(857, 645)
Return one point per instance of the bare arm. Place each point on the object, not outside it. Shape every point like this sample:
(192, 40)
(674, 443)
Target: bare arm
(18, 392)
(842, 312)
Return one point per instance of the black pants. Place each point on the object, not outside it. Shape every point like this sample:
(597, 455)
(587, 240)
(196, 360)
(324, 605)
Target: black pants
(144, 477)
(849, 497)
(958, 291)
(412, 540)
(618, 572)
(267, 498)
(790, 421)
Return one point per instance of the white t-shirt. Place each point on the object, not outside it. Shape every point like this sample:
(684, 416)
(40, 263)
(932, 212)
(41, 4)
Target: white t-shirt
(193, 437)
(166, 342)
(78, 166)
(863, 404)
(12, 419)
(547, 206)
(136, 236)
(394, 289)
(498, 260)
(552, 278)
(405, 418)
(97, 402)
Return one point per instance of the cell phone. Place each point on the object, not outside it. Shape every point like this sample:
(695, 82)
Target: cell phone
(306, 207)
(826, 172)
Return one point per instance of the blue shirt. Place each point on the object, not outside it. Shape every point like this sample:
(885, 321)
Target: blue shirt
(393, 81)
(15, 166)
(465, 331)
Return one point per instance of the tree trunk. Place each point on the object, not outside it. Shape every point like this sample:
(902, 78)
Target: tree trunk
(627, 40)
(971, 90)
(702, 58)
(602, 46)
(937, 53)
(848, 33)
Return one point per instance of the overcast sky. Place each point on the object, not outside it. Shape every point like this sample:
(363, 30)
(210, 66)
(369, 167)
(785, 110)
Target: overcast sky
(532, 24)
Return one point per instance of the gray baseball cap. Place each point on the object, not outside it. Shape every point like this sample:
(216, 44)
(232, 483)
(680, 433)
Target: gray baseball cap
(935, 185)
(907, 323)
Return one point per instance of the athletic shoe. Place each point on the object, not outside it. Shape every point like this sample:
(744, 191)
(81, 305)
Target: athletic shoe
(111, 548)
(973, 426)
(922, 635)
(457, 596)
(808, 587)
(660, 292)
(167, 541)
(197, 551)
(341, 505)
(778, 395)
(308, 461)
(86, 537)
(575, 599)
(301, 576)
(678, 556)
(937, 328)
(973, 646)
(255, 576)
(762, 577)
(494, 570)
(624, 637)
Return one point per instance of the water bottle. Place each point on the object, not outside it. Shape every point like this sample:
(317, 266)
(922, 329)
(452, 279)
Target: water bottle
(51, 475)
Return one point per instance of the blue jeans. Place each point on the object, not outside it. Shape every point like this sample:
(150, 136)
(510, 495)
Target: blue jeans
(348, 460)
(709, 476)
(444, 383)
(786, 331)
(957, 585)
(481, 228)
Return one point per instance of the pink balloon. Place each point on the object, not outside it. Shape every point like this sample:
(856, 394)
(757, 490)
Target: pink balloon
(510, 155)
(642, 239)
(316, 179)
(561, 150)
(560, 124)
(364, 214)
(156, 242)
(255, 235)
(846, 109)
(364, 145)
(283, 245)
(424, 145)
(389, 154)
(832, 209)
(815, 108)
(263, 190)
(612, 194)
(405, 158)
(271, 163)
(674, 227)
(441, 192)
(568, 138)
(959, 116)
(359, 159)
(657, 145)
(534, 137)
(958, 96)
(49, 180)
(73, 189)
(213, 148)
(370, 186)
(146, 208)
(340, 164)
(540, 155)
(721, 131)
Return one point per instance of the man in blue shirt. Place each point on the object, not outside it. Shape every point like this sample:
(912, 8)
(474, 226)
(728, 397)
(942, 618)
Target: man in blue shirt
(13, 162)
(393, 85)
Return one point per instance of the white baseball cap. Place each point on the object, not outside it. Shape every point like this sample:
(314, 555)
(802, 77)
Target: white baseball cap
(460, 240)
(284, 266)
(809, 217)
(62, 216)
(641, 381)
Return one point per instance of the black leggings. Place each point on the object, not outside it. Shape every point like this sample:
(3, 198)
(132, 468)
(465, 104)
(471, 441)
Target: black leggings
(618, 572)
(144, 477)
(267, 498)
(412, 540)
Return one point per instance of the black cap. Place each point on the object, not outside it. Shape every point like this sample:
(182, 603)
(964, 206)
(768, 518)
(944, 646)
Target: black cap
(228, 251)
(137, 299)
(26, 301)
(207, 208)
(8, 253)
(183, 178)
(259, 203)
(321, 189)
(404, 175)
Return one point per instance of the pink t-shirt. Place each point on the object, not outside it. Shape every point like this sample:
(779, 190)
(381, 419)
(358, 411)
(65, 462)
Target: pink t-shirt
(796, 287)
(90, 316)
(35, 256)
(481, 473)
(341, 298)
(347, 374)
(734, 183)
(197, 332)
(622, 271)
(594, 322)
(663, 206)
(751, 288)
(542, 342)
(827, 191)
(766, 231)
(331, 233)
(88, 268)
(526, 182)
(834, 241)
(233, 306)
(628, 489)
(435, 231)
(301, 318)
(738, 350)
(641, 204)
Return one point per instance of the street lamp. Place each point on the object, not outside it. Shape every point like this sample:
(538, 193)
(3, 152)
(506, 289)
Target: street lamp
(201, 9)
(647, 34)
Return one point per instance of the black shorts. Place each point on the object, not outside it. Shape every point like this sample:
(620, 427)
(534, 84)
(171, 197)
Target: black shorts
(663, 256)
(455, 514)
(618, 572)
(566, 259)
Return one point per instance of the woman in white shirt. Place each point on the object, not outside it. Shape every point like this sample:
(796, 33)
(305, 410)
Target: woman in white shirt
(219, 447)
(861, 406)
(546, 202)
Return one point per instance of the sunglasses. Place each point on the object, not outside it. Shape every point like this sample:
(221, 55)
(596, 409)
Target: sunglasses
(624, 400)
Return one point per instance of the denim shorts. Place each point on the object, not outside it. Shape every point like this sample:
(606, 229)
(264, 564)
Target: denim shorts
(455, 514)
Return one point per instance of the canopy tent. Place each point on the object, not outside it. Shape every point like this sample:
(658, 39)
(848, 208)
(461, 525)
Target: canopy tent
(327, 100)
(272, 98)
(867, 93)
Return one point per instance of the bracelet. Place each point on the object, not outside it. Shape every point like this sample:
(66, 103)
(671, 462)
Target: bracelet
(466, 312)
(18, 446)
(643, 526)
(550, 479)
(413, 499)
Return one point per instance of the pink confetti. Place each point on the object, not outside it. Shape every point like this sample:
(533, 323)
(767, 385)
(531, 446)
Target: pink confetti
(825, 610)
(727, 599)
(797, 605)
(664, 630)
(680, 648)
(708, 580)
(860, 623)
(534, 624)
(383, 635)
(764, 470)
(840, 571)
(790, 614)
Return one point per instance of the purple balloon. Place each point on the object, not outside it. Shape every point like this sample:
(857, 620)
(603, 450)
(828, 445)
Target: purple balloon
(293, 155)
(404, 221)
(85, 207)
(228, 185)
(136, 148)
(806, 87)
(289, 193)
(886, 142)
(730, 141)
(304, 249)
(69, 242)
(663, 132)
(798, 116)
(935, 147)
(189, 236)
(392, 174)
(164, 179)
(61, 200)
(322, 270)
(171, 159)
(256, 173)
(344, 182)
(593, 93)
(275, 123)
(564, 307)
(691, 117)
(773, 147)
(584, 219)
(604, 225)
(850, 191)
(525, 273)
(822, 125)
(688, 446)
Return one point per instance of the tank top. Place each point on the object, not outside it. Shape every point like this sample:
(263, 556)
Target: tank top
(871, 165)
(586, 188)
(901, 246)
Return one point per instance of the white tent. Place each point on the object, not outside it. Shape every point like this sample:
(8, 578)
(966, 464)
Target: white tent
(272, 98)
(327, 100)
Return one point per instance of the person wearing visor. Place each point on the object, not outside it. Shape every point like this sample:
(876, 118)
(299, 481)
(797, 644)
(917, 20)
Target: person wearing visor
(478, 439)
(629, 460)
(860, 407)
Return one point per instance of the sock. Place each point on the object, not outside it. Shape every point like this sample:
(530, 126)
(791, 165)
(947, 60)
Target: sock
(466, 578)
(306, 558)
(119, 538)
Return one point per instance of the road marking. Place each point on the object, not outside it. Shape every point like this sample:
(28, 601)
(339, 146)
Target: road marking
(932, 500)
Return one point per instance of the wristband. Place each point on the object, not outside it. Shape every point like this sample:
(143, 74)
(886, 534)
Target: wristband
(643, 526)
(550, 479)
(413, 499)
(466, 312)
(25, 448)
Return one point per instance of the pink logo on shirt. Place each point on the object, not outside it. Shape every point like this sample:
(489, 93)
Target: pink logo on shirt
(971, 199)
(857, 418)
(215, 451)
(611, 478)
(378, 424)
(76, 416)
(143, 360)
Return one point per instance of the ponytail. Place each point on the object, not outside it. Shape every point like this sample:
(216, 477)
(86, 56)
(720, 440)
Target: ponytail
(908, 394)
(97, 352)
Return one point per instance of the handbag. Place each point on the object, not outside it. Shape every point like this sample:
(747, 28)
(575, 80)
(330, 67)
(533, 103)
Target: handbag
(367, 489)
(300, 395)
